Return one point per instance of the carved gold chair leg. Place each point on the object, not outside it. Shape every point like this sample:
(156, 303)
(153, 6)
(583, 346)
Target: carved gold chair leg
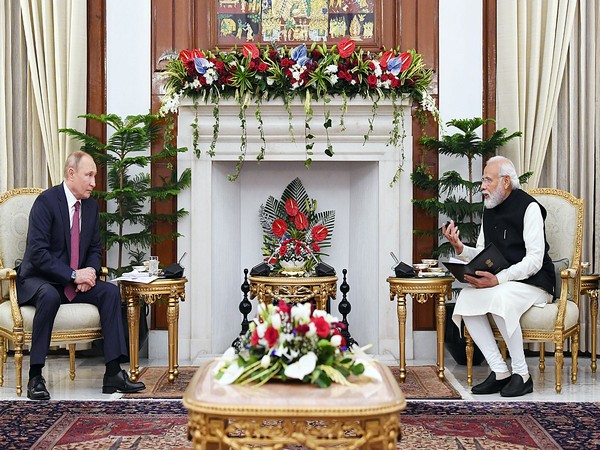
(503, 350)
(19, 367)
(559, 358)
(4, 349)
(542, 364)
(469, 351)
(72, 361)
(2, 359)
(574, 355)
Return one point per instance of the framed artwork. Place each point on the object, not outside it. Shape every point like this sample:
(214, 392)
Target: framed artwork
(296, 21)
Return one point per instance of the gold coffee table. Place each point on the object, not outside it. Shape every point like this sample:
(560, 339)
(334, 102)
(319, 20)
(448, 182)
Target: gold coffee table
(365, 415)
(421, 290)
(132, 293)
(294, 289)
(589, 287)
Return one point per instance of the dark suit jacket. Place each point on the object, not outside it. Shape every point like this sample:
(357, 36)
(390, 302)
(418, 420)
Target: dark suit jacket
(48, 252)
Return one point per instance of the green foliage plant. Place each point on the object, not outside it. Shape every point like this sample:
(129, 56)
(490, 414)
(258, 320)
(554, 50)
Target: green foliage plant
(129, 226)
(458, 193)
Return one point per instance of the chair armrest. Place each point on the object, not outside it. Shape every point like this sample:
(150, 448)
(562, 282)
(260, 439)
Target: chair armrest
(10, 275)
(103, 273)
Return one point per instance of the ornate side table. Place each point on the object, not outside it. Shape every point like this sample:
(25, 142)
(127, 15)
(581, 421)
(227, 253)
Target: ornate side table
(421, 290)
(364, 415)
(133, 293)
(294, 289)
(589, 287)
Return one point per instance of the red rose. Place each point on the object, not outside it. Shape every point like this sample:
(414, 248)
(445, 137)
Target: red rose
(262, 67)
(279, 227)
(372, 81)
(406, 60)
(385, 58)
(301, 221)
(346, 47)
(271, 336)
(250, 50)
(185, 56)
(302, 329)
(254, 338)
(322, 326)
(315, 247)
(319, 233)
(282, 250)
(291, 207)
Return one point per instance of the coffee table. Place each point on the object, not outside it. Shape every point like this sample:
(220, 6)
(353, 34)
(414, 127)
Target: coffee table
(364, 415)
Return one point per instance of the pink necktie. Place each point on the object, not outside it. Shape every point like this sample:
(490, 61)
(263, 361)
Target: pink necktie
(70, 288)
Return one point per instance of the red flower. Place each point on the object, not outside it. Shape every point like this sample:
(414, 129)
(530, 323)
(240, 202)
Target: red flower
(271, 336)
(291, 207)
(197, 54)
(284, 307)
(262, 67)
(250, 50)
(302, 329)
(315, 247)
(406, 60)
(319, 233)
(282, 250)
(372, 80)
(185, 56)
(254, 338)
(322, 326)
(385, 58)
(301, 221)
(346, 47)
(279, 227)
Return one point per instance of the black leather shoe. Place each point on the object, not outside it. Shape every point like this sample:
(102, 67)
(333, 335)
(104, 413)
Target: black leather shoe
(121, 383)
(36, 389)
(517, 387)
(490, 385)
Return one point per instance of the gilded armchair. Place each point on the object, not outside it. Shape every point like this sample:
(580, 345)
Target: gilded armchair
(74, 322)
(559, 320)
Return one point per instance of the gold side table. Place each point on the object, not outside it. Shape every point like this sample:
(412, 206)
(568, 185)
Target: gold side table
(294, 289)
(589, 286)
(421, 290)
(133, 293)
(363, 415)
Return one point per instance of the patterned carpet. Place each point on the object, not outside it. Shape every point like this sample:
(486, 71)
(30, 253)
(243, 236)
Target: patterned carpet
(162, 425)
(421, 383)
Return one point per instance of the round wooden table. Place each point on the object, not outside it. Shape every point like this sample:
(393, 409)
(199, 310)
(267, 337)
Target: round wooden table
(133, 293)
(421, 290)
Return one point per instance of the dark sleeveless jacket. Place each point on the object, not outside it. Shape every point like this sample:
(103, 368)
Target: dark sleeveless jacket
(503, 225)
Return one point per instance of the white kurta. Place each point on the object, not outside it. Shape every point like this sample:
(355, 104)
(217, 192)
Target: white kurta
(510, 298)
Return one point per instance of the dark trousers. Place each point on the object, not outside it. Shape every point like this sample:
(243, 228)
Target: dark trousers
(105, 296)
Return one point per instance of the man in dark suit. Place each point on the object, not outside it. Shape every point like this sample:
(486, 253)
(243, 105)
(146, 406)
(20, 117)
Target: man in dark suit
(51, 274)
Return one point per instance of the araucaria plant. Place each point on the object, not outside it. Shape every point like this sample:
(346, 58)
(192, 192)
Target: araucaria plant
(128, 222)
(256, 74)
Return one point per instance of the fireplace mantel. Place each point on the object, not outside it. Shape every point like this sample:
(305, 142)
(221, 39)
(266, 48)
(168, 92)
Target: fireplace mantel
(222, 235)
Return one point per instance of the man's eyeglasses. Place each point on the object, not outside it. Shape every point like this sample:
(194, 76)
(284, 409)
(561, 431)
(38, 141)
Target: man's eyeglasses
(488, 180)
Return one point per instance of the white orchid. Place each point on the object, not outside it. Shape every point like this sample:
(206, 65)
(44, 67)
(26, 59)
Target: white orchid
(305, 365)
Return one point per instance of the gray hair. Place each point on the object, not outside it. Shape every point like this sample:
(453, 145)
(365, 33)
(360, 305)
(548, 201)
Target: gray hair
(73, 161)
(507, 169)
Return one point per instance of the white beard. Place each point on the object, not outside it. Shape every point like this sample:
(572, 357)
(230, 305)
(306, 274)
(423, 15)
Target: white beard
(494, 198)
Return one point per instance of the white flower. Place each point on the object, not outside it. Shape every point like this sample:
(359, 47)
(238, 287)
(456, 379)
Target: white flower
(336, 340)
(312, 330)
(333, 79)
(301, 312)
(227, 357)
(231, 374)
(302, 367)
(270, 81)
(332, 68)
(276, 321)
(265, 361)
(370, 370)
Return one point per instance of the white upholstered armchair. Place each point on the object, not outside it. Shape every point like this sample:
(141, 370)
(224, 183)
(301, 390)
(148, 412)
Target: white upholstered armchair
(558, 321)
(74, 322)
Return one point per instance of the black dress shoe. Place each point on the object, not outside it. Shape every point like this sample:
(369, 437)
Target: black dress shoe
(121, 383)
(517, 387)
(490, 385)
(36, 389)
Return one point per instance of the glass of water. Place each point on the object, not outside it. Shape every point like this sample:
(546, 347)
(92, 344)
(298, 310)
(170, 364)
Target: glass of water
(153, 266)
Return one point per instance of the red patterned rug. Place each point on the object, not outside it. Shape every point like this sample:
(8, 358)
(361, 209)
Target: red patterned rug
(162, 425)
(421, 383)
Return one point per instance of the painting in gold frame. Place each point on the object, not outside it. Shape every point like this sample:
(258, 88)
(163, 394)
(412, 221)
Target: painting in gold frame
(295, 21)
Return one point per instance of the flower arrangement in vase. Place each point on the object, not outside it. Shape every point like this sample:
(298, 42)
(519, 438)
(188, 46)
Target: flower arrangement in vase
(294, 233)
(293, 342)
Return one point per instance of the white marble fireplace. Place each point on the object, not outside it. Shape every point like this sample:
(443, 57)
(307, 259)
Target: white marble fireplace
(222, 234)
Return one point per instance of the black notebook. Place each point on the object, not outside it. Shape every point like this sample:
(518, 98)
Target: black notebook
(489, 259)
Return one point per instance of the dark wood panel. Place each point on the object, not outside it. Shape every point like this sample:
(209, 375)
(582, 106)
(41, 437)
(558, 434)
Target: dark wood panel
(489, 65)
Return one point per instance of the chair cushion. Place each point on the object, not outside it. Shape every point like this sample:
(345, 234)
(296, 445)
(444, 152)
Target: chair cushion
(543, 319)
(559, 266)
(71, 317)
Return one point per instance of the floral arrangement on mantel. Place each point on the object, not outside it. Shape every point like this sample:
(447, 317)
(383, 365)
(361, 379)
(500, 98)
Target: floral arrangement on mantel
(256, 74)
(294, 233)
(288, 342)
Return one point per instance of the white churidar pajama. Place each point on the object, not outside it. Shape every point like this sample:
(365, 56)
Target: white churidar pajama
(507, 301)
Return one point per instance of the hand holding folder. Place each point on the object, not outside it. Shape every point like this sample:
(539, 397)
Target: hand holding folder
(489, 259)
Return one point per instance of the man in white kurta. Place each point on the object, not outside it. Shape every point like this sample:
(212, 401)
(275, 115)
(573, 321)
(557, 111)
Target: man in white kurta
(514, 221)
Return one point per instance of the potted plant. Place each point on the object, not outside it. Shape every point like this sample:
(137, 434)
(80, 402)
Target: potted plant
(454, 197)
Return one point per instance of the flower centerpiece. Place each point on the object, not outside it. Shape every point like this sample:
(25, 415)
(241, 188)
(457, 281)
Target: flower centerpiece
(316, 73)
(287, 342)
(294, 233)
